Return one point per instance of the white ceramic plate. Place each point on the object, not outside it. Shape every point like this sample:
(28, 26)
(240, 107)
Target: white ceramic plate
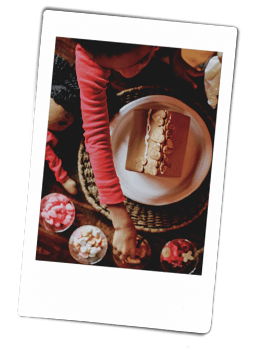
(158, 191)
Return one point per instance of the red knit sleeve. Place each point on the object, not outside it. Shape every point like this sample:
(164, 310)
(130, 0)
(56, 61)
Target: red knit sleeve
(92, 80)
(54, 163)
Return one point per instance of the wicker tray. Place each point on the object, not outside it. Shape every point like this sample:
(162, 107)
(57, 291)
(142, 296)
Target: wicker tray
(156, 219)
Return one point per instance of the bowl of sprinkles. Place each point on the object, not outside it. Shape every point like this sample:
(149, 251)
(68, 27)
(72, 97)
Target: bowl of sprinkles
(178, 256)
(57, 212)
(88, 245)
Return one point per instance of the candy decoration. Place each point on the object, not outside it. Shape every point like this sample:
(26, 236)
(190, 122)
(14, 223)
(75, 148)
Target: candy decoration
(57, 211)
(89, 243)
(178, 256)
(188, 256)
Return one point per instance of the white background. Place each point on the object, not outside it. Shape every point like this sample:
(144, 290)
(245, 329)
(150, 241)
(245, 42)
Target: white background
(47, 287)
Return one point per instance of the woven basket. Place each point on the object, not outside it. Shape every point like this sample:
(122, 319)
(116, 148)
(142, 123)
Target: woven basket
(155, 219)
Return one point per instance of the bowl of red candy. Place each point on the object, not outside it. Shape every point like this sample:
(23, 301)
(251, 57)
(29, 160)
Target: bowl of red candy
(178, 256)
(57, 212)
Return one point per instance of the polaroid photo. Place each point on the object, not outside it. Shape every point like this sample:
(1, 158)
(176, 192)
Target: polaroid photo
(152, 99)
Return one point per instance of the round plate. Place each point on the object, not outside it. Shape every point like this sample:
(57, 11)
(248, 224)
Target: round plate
(78, 256)
(150, 190)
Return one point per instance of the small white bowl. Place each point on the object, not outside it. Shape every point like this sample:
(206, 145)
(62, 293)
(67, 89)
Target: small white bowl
(77, 242)
(46, 201)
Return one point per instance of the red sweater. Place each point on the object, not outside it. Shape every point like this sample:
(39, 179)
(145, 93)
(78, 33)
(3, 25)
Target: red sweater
(92, 80)
(54, 163)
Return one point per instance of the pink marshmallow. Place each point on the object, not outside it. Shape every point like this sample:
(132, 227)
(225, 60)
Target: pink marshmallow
(56, 208)
(53, 199)
(52, 213)
(69, 207)
(48, 206)
(43, 214)
(60, 217)
(66, 222)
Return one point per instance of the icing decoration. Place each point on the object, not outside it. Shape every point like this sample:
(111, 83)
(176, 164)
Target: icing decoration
(163, 168)
(188, 256)
(151, 168)
(177, 253)
(166, 252)
(148, 128)
(140, 162)
(155, 158)
(159, 117)
(158, 135)
(154, 152)
(169, 147)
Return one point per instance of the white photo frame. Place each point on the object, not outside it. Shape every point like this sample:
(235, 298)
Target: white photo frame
(124, 297)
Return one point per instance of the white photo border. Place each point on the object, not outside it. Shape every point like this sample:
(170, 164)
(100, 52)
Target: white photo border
(120, 296)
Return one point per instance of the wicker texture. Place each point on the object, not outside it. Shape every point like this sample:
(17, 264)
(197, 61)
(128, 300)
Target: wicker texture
(155, 219)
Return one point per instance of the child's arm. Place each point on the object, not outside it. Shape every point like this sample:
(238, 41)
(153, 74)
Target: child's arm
(92, 80)
(55, 164)
(124, 240)
(61, 176)
(183, 70)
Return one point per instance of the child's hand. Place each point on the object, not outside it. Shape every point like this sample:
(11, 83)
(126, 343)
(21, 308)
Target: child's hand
(70, 186)
(184, 70)
(124, 240)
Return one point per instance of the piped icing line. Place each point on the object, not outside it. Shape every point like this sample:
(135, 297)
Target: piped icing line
(169, 118)
(148, 128)
(155, 164)
(167, 122)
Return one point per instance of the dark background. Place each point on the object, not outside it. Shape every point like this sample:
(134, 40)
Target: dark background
(233, 298)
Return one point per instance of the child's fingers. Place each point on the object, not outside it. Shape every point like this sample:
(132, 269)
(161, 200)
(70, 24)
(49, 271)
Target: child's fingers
(131, 252)
(122, 257)
(188, 79)
(116, 252)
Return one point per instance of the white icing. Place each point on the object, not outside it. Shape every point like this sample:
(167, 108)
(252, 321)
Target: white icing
(168, 124)
(148, 128)
(169, 119)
